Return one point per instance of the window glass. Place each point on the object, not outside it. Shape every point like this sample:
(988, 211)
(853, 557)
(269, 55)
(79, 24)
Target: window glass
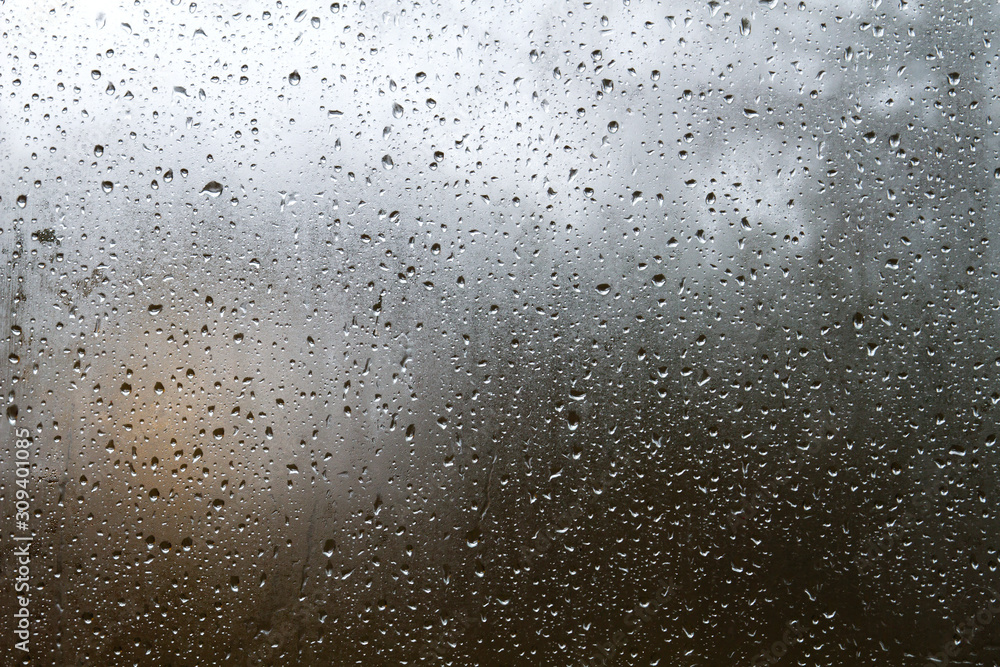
(514, 333)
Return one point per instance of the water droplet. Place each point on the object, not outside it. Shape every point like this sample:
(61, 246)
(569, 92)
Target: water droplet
(107, 186)
(859, 321)
(387, 163)
(745, 27)
(98, 150)
(212, 188)
(22, 200)
(397, 110)
(294, 78)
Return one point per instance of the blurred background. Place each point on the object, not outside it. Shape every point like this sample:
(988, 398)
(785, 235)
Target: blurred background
(524, 333)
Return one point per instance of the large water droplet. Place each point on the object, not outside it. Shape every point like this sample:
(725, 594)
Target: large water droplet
(212, 188)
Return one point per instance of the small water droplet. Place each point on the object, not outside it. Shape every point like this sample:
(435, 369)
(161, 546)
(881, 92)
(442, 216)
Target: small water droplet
(294, 78)
(397, 110)
(107, 186)
(22, 200)
(387, 163)
(98, 150)
(745, 27)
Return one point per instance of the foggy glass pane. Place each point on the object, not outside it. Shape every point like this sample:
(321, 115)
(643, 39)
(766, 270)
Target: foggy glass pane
(523, 333)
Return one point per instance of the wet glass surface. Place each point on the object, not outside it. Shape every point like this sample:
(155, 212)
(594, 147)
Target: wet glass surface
(500, 334)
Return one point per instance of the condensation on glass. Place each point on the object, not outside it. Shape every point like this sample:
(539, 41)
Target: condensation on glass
(524, 333)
